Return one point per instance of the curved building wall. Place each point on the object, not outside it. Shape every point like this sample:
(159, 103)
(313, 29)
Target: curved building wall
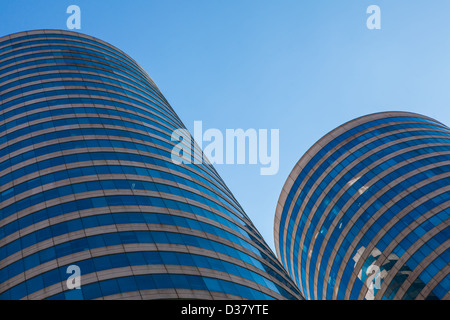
(87, 179)
(365, 212)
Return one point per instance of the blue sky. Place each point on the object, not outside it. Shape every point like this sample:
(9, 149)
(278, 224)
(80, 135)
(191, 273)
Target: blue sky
(303, 67)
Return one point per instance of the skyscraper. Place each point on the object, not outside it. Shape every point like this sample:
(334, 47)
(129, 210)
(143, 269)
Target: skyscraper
(365, 212)
(87, 183)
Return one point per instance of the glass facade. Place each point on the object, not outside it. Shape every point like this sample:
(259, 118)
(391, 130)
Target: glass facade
(365, 212)
(87, 179)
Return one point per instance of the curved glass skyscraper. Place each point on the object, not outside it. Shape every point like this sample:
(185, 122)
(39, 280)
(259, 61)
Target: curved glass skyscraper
(87, 183)
(365, 212)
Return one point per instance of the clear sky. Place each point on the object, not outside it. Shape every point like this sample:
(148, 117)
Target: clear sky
(303, 67)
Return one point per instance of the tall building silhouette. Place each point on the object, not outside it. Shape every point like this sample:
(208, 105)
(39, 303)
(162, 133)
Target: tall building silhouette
(87, 180)
(365, 213)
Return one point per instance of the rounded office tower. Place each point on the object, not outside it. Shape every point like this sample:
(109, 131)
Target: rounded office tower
(365, 212)
(92, 205)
